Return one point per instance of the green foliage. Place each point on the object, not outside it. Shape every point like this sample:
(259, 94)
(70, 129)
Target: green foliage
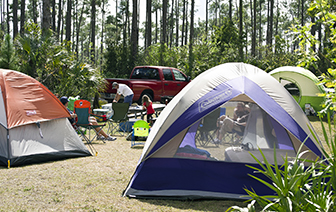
(117, 60)
(151, 56)
(321, 54)
(55, 66)
(272, 60)
(298, 187)
(309, 188)
(226, 36)
(7, 56)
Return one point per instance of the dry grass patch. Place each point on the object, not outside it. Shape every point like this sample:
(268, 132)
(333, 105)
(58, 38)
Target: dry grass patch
(87, 184)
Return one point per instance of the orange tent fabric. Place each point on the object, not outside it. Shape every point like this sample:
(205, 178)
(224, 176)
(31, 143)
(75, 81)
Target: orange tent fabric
(27, 101)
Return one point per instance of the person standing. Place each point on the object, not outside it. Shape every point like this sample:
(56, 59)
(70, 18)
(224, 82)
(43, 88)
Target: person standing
(148, 105)
(124, 90)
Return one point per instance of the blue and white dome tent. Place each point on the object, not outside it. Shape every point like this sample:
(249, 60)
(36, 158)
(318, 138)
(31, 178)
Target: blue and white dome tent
(181, 160)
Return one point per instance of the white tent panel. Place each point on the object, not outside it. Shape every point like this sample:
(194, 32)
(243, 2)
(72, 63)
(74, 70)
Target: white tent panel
(55, 136)
(3, 142)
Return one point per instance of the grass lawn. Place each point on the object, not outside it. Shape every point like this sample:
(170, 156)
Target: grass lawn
(90, 184)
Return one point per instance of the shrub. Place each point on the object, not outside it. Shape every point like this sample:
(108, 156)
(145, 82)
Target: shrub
(298, 187)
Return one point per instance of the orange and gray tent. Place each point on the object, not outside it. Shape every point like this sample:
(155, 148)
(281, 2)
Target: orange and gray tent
(34, 125)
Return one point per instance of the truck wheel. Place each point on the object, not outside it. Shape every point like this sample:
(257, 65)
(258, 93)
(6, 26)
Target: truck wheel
(140, 99)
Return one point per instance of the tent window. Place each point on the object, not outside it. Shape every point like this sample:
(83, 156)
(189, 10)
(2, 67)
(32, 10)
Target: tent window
(291, 87)
(217, 136)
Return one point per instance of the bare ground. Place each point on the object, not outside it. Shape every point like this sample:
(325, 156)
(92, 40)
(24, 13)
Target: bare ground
(87, 184)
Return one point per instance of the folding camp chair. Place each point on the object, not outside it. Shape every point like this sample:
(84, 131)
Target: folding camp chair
(233, 138)
(119, 117)
(140, 130)
(208, 129)
(82, 109)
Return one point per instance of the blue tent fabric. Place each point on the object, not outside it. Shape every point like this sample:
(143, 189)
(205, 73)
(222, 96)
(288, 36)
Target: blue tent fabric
(198, 176)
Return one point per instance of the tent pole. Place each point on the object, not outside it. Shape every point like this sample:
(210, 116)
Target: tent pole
(8, 150)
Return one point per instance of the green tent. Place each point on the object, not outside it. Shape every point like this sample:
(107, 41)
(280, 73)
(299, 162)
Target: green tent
(302, 85)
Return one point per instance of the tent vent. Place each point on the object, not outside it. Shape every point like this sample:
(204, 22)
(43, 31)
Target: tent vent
(39, 126)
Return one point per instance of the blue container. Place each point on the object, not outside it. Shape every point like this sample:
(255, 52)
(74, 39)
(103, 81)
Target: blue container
(127, 126)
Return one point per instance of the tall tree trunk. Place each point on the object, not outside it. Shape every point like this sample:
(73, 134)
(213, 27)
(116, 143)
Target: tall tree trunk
(102, 34)
(260, 28)
(15, 18)
(156, 25)
(177, 23)
(164, 21)
(207, 18)
(253, 23)
(60, 11)
(124, 28)
(230, 10)
(302, 12)
(8, 17)
(171, 24)
(78, 27)
(271, 23)
(2, 13)
(319, 37)
(269, 36)
(34, 11)
(22, 17)
(134, 35)
(163, 30)
(191, 39)
(241, 56)
(53, 15)
(1, 16)
(148, 30)
(46, 16)
(74, 21)
(313, 31)
(68, 21)
(268, 22)
(186, 25)
(277, 18)
(128, 20)
(296, 43)
(183, 21)
(62, 25)
(216, 12)
(93, 31)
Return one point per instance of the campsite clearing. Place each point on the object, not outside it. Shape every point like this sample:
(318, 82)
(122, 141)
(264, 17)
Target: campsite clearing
(90, 184)
(87, 184)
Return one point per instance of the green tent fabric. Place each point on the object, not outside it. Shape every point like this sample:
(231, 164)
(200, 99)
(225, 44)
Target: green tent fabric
(302, 85)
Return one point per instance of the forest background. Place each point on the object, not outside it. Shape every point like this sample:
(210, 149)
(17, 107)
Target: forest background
(72, 45)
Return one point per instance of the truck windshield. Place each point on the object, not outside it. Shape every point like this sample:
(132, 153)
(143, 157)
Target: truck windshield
(145, 73)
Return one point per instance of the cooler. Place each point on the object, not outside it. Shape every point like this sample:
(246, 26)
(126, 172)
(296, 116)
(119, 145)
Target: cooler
(127, 126)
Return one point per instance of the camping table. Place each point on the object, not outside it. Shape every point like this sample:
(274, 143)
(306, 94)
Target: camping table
(139, 109)
(100, 112)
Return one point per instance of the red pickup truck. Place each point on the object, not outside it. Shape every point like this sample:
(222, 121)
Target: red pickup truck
(157, 82)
